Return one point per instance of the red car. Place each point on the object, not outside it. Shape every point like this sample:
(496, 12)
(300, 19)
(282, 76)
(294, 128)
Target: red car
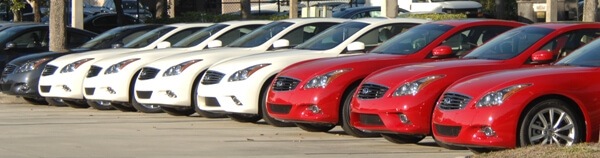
(549, 105)
(398, 101)
(314, 93)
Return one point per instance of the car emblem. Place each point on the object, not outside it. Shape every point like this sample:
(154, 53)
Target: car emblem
(447, 101)
(365, 91)
(278, 83)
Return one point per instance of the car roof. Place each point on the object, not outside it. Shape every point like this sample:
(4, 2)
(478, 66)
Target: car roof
(561, 25)
(311, 20)
(242, 22)
(391, 20)
(470, 21)
(190, 24)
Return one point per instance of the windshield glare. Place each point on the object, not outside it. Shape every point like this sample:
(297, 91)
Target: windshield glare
(509, 44)
(104, 37)
(260, 35)
(412, 40)
(586, 56)
(200, 36)
(149, 37)
(332, 37)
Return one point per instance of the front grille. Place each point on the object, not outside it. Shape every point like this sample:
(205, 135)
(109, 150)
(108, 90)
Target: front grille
(371, 91)
(212, 77)
(285, 84)
(45, 89)
(8, 69)
(89, 91)
(49, 70)
(453, 101)
(370, 119)
(148, 73)
(143, 94)
(281, 109)
(450, 131)
(94, 71)
(211, 101)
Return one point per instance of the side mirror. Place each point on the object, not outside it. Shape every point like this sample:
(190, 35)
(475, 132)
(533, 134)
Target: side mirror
(215, 44)
(163, 44)
(9, 45)
(442, 51)
(355, 46)
(542, 57)
(281, 43)
(116, 45)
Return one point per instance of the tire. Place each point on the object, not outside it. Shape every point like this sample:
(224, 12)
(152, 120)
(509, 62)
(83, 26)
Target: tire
(262, 102)
(145, 108)
(194, 102)
(56, 102)
(480, 150)
(245, 118)
(100, 105)
(345, 116)
(124, 107)
(178, 111)
(315, 127)
(537, 127)
(35, 101)
(402, 139)
(78, 104)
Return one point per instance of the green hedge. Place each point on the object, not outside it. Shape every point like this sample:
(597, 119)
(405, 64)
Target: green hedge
(435, 16)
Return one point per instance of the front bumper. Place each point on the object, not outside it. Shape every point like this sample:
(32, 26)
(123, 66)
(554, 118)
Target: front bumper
(63, 85)
(384, 115)
(232, 97)
(171, 90)
(295, 105)
(101, 88)
(21, 84)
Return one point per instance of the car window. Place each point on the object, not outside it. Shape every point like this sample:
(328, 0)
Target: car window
(381, 34)
(566, 43)
(301, 34)
(332, 37)
(75, 39)
(469, 39)
(510, 44)
(261, 34)
(183, 34)
(149, 37)
(360, 15)
(132, 36)
(413, 40)
(236, 33)
(199, 36)
(31, 39)
(105, 20)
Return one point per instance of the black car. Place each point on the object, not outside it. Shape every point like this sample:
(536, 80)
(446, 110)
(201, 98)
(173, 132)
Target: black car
(361, 12)
(28, 39)
(105, 21)
(21, 75)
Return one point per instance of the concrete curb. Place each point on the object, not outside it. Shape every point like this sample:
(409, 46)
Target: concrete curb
(10, 99)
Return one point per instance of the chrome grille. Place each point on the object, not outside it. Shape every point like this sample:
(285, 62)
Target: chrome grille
(49, 70)
(453, 101)
(212, 77)
(285, 84)
(371, 91)
(148, 73)
(94, 71)
(8, 69)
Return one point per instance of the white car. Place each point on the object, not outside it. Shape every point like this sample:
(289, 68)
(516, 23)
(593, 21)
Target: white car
(63, 77)
(170, 82)
(238, 86)
(125, 67)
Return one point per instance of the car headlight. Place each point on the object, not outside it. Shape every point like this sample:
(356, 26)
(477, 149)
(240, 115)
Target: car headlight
(72, 66)
(177, 69)
(115, 68)
(245, 73)
(496, 98)
(32, 65)
(412, 88)
(321, 81)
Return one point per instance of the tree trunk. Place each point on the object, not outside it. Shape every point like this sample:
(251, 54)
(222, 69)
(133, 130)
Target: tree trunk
(589, 10)
(245, 6)
(500, 7)
(119, 9)
(161, 9)
(17, 16)
(37, 14)
(58, 34)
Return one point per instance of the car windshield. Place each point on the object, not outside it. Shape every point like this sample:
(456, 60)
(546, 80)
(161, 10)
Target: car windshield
(509, 44)
(586, 56)
(260, 35)
(412, 40)
(200, 36)
(8, 33)
(149, 37)
(333, 36)
(104, 37)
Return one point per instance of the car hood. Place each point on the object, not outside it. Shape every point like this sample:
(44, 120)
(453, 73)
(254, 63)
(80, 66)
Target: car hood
(278, 59)
(557, 76)
(142, 55)
(36, 56)
(97, 54)
(409, 73)
(461, 4)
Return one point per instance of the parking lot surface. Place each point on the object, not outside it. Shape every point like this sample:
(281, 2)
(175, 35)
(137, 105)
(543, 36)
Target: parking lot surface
(45, 131)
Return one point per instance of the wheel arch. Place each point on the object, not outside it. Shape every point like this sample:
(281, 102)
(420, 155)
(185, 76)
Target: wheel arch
(350, 86)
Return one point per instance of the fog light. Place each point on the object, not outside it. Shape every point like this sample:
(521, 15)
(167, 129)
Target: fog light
(66, 88)
(171, 94)
(236, 101)
(488, 131)
(110, 90)
(403, 118)
(23, 88)
(314, 109)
